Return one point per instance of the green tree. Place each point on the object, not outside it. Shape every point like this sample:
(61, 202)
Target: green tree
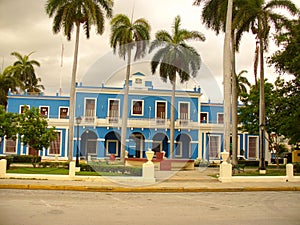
(287, 59)
(34, 131)
(242, 84)
(23, 71)
(70, 13)
(287, 112)
(8, 124)
(249, 112)
(125, 36)
(259, 15)
(175, 57)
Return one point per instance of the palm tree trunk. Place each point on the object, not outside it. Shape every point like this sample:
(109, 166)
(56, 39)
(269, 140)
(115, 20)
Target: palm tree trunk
(125, 108)
(262, 120)
(72, 96)
(234, 105)
(172, 119)
(227, 77)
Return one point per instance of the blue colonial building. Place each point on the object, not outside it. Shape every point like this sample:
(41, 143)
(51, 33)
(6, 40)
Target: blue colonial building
(198, 124)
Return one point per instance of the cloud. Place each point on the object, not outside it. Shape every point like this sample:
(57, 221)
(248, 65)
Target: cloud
(25, 27)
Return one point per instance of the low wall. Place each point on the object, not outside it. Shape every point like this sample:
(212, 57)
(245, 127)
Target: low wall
(72, 176)
(226, 176)
(163, 164)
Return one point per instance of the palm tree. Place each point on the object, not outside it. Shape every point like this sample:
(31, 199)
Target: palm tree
(7, 82)
(175, 57)
(70, 13)
(217, 15)
(126, 35)
(258, 15)
(242, 83)
(23, 71)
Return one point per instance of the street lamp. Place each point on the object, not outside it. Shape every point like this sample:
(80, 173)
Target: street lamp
(78, 121)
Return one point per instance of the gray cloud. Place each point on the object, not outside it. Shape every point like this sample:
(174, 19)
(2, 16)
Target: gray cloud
(25, 27)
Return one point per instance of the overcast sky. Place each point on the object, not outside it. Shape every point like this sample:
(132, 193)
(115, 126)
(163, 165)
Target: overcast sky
(25, 28)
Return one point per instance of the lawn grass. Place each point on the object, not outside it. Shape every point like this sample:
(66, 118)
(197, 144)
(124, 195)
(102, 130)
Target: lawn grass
(58, 171)
(255, 172)
(38, 170)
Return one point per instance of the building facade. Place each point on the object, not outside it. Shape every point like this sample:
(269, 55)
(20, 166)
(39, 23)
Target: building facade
(198, 125)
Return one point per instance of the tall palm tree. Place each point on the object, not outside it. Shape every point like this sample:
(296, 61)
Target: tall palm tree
(218, 16)
(70, 13)
(7, 82)
(23, 71)
(175, 57)
(259, 15)
(125, 36)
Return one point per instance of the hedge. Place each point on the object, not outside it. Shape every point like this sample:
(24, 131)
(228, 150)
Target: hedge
(54, 164)
(251, 162)
(25, 158)
(104, 167)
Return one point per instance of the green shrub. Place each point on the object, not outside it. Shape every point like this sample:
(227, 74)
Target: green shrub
(54, 164)
(254, 163)
(297, 167)
(111, 168)
(26, 158)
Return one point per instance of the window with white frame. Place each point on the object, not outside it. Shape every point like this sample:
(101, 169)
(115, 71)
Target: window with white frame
(220, 118)
(23, 107)
(114, 108)
(55, 145)
(138, 81)
(91, 146)
(161, 108)
(112, 147)
(63, 112)
(184, 110)
(252, 147)
(204, 117)
(214, 146)
(90, 109)
(10, 146)
(137, 108)
(44, 110)
(178, 149)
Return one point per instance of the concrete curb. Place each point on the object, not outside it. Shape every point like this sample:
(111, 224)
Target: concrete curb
(145, 189)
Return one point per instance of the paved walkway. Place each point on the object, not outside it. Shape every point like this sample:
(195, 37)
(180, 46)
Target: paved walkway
(198, 180)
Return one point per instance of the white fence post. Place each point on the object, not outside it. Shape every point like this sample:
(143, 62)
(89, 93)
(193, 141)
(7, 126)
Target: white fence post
(3, 163)
(290, 171)
(72, 169)
(225, 169)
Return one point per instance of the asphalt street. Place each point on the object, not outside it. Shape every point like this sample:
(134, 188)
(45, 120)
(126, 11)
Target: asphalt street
(40, 207)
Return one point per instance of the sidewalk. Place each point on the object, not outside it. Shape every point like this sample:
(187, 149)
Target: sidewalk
(166, 181)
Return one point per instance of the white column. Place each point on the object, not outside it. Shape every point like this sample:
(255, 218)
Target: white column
(204, 146)
(200, 140)
(66, 143)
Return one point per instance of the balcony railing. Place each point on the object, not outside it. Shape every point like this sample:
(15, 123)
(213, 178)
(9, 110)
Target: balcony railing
(89, 120)
(113, 120)
(160, 121)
